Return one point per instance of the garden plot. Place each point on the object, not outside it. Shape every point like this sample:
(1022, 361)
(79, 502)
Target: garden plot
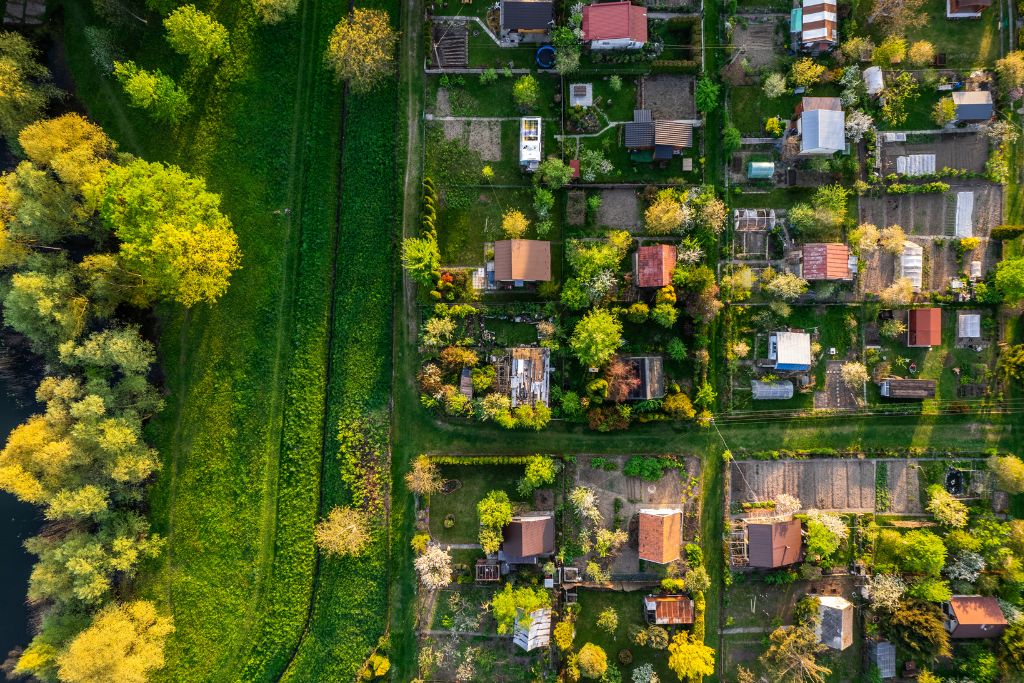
(669, 97)
(843, 485)
(837, 395)
(967, 151)
(904, 487)
(483, 137)
(881, 268)
(619, 209)
(757, 41)
(676, 489)
(933, 214)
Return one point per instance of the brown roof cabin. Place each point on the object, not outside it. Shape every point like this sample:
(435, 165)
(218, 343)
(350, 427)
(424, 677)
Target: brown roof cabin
(966, 9)
(659, 535)
(528, 537)
(924, 327)
(522, 261)
(974, 616)
(668, 610)
(826, 262)
(653, 265)
(895, 387)
(775, 544)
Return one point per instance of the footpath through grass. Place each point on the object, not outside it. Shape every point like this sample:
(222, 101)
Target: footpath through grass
(242, 435)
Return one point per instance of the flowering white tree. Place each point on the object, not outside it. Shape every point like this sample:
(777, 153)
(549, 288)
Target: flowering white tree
(857, 124)
(585, 501)
(967, 566)
(645, 674)
(775, 86)
(833, 522)
(434, 567)
(885, 591)
(786, 504)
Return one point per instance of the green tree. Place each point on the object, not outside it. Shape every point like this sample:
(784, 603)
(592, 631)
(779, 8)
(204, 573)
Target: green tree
(805, 72)
(947, 510)
(40, 209)
(494, 511)
(554, 173)
(690, 658)
(918, 628)
(731, 139)
(897, 95)
(124, 643)
(361, 49)
(1008, 471)
(922, 552)
(1010, 70)
(196, 35)
(76, 150)
(526, 92)
(792, 656)
(892, 51)
(608, 620)
(944, 111)
(421, 259)
(592, 660)
(25, 87)
(275, 11)
(540, 471)
(596, 338)
(706, 95)
(47, 309)
(153, 91)
(517, 602)
(1010, 279)
(173, 235)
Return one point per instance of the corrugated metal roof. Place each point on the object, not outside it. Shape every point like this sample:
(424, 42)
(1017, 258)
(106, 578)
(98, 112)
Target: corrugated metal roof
(822, 131)
(639, 135)
(793, 350)
(670, 610)
(673, 133)
(771, 391)
(826, 261)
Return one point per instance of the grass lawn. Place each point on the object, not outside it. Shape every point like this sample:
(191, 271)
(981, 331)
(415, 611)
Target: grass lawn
(485, 53)
(617, 106)
(966, 42)
(919, 112)
(462, 232)
(749, 108)
(630, 609)
(469, 97)
(777, 198)
(629, 171)
(461, 504)
(510, 333)
(938, 362)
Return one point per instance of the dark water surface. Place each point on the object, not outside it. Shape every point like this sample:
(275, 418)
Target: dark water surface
(18, 521)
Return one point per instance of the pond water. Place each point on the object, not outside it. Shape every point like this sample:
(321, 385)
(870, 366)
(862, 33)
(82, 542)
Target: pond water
(18, 521)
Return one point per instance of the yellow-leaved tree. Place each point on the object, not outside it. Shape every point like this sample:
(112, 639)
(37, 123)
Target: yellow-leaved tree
(361, 50)
(123, 644)
(690, 658)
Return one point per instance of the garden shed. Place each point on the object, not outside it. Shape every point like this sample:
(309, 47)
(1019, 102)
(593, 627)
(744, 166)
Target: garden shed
(772, 545)
(968, 326)
(653, 265)
(650, 370)
(826, 262)
(882, 654)
(639, 133)
(835, 627)
(529, 375)
(771, 391)
(975, 105)
(911, 263)
(659, 534)
(974, 616)
(761, 170)
(895, 387)
(822, 126)
(668, 610)
(527, 538)
(530, 634)
(526, 16)
(874, 81)
(924, 327)
(519, 261)
(615, 26)
(791, 351)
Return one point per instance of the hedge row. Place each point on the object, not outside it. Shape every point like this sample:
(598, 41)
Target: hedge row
(480, 459)
(912, 452)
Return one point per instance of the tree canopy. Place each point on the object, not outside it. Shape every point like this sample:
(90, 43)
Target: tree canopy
(196, 35)
(361, 49)
(596, 338)
(173, 236)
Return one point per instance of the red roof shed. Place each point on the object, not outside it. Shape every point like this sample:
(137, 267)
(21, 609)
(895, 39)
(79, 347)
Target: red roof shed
(612, 20)
(826, 262)
(924, 327)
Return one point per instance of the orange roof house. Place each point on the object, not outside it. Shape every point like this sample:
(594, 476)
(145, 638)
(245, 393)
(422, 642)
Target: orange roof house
(668, 610)
(773, 545)
(522, 261)
(653, 265)
(826, 262)
(659, 535)
(924, 327)
(974, 616)
(615, 25)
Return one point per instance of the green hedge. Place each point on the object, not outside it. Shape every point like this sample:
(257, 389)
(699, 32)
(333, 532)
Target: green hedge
(1006, 232)
(480, 459)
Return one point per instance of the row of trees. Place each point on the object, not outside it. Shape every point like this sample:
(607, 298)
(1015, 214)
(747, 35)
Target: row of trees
(87, 237)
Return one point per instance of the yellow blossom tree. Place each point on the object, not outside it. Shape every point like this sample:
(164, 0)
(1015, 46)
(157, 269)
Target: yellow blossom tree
(514, 224)
(361, 50)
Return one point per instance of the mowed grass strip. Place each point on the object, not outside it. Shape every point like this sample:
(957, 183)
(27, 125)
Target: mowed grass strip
(350, 604)
(221, 434)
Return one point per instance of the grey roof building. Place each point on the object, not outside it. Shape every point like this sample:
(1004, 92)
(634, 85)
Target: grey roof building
(527, 15)
(836, 622)
(640, 131)
(975, 105)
